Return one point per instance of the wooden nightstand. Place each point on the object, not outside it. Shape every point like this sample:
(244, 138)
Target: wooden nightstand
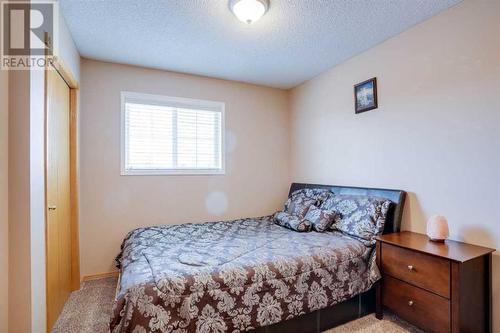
(439, 287)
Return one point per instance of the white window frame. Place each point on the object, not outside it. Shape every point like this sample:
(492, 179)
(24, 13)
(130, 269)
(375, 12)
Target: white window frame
(189, 103)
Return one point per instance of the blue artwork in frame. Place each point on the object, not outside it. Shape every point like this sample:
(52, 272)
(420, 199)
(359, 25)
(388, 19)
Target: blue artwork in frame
(365, 95)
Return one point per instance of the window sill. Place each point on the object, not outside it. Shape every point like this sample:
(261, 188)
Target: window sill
(174, 172)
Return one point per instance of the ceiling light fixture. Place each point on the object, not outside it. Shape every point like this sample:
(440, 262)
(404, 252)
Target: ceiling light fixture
(249, 11)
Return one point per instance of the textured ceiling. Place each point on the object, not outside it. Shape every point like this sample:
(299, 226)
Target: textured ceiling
(295, 41)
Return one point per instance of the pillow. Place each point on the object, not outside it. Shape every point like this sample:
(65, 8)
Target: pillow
(361, 216)
(298, 205)
(291, 222)
(313, 193)
(321, 219)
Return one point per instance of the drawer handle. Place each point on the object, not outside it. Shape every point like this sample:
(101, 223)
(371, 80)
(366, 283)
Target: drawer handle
(410, 303)
(410, 267)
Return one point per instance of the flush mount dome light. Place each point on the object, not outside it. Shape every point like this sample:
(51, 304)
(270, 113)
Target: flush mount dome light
(249, 11)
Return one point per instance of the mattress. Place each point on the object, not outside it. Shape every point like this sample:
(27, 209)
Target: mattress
(233, 276)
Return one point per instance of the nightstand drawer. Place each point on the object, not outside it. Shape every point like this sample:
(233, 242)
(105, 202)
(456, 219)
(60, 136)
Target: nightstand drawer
(425, 309)
(422, 270)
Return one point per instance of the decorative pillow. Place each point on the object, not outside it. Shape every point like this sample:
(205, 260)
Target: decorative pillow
(313, 193)
(321, 219)
(292, 222)
(361, 216)
(298, 205)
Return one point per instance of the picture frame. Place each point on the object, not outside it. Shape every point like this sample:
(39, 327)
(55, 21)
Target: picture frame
(365, 96)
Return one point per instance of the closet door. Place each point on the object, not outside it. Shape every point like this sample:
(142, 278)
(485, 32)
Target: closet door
(58, 228)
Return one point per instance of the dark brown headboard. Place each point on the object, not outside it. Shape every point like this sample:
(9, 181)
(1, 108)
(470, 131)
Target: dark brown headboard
(393, 222)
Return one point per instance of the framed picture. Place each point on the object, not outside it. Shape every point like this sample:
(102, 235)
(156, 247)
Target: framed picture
(365, 95)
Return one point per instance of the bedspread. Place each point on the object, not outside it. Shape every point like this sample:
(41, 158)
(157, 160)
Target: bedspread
(233, 276)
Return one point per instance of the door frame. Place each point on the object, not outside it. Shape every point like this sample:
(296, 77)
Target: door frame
(59, 66)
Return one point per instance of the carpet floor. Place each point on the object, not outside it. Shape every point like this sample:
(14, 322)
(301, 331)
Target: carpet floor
(88, 311)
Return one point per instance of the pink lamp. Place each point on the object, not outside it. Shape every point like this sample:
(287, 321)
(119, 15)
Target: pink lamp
(437, 228)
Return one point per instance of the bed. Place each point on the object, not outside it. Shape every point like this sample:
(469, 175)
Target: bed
(247, 274)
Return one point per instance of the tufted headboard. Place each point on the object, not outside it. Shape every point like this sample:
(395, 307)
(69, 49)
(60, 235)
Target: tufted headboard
(393, 222)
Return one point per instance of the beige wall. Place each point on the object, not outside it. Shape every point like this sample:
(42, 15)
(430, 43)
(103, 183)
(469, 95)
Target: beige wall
(4, 197)
(257, 162)
(19, 202)
(435, 134)
(67, 51)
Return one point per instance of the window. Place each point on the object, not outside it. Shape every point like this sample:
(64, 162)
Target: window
(168, 135)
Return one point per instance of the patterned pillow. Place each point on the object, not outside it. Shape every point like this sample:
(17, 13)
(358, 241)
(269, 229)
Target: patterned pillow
(321, 219)
(298, 205)
(313, 193)
(361, 216)
(292, 222)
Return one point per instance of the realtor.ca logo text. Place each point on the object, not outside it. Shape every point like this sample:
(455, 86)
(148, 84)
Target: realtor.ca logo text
(29, 31)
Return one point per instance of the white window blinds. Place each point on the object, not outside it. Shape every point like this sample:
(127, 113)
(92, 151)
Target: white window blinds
(166, 135)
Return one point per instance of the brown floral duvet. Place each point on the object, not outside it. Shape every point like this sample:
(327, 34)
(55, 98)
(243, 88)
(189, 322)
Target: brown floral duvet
(233, 276)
